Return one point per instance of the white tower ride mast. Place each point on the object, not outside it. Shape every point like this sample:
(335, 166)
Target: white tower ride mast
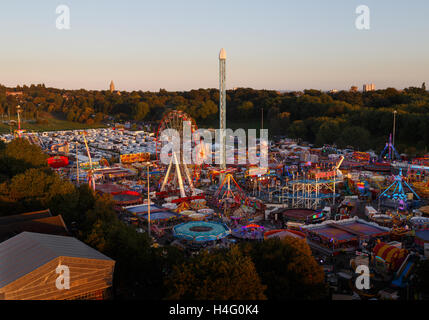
(222, 111)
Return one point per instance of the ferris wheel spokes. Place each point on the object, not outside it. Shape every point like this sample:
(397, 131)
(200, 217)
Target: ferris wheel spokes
(184, 172)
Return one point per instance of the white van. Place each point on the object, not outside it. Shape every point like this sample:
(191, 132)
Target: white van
(370, 211)
(327, 212)
(294, 226)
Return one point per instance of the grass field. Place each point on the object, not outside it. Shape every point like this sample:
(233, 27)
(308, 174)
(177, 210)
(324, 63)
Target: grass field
(52, 124)
(56, 124)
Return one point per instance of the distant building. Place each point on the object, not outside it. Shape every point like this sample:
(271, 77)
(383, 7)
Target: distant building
(14, 93)
(29, 269)
(368, 87)
(112, 88)
(354, 89)
(333, 91)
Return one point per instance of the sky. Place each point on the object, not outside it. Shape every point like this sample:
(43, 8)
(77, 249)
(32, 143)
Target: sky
(174, 44)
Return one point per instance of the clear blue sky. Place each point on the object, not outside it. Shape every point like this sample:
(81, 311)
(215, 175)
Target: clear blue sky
(174, 44)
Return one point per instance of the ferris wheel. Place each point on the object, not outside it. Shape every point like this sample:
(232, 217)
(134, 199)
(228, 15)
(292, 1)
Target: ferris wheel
(178, 175)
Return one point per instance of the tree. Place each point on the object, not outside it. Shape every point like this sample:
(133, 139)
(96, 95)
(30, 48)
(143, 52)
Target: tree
(355, 136)
(221, 275)
(98, 117)
(298, 129)
(138, 269)
(288, 269)
(246, 109)
(19, 155)
(371, 111)
(70, 115)
(207, 109)
(328, 132)
(140, 111)
(138, 275)
(40, 188)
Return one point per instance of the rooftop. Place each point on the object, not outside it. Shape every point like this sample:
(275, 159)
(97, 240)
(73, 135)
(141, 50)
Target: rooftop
(28, 251)
(37, 221)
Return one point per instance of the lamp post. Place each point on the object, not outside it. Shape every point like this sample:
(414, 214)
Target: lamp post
(148, 197)
(77, 166)
(394, 126)
(18, 112)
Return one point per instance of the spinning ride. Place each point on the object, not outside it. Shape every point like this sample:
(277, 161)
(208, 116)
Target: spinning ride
(229, 194)
(396, 192)
(389, 152)
(201, 231)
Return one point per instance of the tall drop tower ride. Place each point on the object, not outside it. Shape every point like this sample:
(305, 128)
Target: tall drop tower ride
(222, 110)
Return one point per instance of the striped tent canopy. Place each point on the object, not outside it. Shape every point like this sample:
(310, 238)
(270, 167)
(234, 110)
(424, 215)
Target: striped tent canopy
(391, 255)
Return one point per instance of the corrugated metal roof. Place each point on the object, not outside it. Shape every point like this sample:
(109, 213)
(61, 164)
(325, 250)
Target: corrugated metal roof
(25, 216)
(28, 251)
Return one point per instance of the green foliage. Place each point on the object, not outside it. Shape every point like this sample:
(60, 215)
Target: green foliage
(328, 133)
(288, 269)
(298, 129)
(37, 189)
(222, 275)
(140, 110)
(278, 123)
(355, 136)
(18, 156)
(371, 111)
(246, 109)
(207, 109)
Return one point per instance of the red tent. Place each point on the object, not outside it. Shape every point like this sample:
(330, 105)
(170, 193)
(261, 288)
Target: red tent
(58, 162)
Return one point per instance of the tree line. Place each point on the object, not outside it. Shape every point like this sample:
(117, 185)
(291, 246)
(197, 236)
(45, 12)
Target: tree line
(363, 120)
